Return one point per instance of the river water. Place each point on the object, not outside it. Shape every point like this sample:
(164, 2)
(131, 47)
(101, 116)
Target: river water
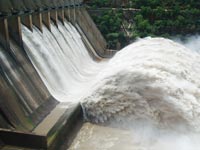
(154, 79)
(143, 137)
(147, 97)
(62, 60)
(149, 100)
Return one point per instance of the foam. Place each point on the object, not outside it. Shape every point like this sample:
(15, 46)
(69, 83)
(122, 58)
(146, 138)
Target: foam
(153, 79)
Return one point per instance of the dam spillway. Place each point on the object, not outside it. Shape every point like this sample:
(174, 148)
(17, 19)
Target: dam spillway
(62, 60)
(149, 100)
(47, 65)
(38, 44)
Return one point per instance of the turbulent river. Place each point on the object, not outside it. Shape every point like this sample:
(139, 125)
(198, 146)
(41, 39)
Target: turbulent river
(147, 98)
(151, 87)
(154, 79)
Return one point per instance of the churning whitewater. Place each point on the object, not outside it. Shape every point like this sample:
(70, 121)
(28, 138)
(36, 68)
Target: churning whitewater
(154, 79)
(61, 60)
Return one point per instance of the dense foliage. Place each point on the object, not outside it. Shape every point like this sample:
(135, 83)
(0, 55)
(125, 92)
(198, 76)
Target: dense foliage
(163, 18)
(154, 18)
(109, 23)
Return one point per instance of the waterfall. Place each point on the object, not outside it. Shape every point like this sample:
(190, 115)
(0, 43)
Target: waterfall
(150, 87)
(62, 60)
(153, 79)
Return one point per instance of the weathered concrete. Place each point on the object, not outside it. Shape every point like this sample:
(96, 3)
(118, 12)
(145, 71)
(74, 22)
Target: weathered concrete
(37, 20)
(67, 14)
(46, 19)
(49, 133)
(87, 43)
(4, 34)
(14, 24)
(21, 139)
(70, 14)
(27, 21)
(61, 15)
(91, 31)
(50, 129)
(54, 17)
(74, 14)
(16, 148)
(65, 131)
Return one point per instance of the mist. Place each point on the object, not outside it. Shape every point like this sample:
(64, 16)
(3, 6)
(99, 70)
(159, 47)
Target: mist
(148, 137)
(145, 135)
(155, 80)
(191, 42)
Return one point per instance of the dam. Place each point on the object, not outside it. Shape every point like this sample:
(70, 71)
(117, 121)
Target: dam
(46, 48)
(56, 75)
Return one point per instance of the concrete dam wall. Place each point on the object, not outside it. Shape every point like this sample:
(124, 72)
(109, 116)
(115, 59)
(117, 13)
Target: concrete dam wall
(26, 105)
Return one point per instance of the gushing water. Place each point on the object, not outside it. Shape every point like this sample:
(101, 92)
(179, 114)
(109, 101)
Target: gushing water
(151, 93)
(62, 60)
(152, 81)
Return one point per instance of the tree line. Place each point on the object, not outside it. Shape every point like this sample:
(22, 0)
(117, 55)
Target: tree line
(164, 18)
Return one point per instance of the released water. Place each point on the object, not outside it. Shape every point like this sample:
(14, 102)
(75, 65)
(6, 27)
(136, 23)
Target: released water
(154, 79)
(149, 100)
(151, 88)
(62, 60)
(95, 137)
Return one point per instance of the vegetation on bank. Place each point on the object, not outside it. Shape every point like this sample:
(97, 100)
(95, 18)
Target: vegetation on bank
(164, 18)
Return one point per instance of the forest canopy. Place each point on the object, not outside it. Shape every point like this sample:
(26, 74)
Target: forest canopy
(165, 18)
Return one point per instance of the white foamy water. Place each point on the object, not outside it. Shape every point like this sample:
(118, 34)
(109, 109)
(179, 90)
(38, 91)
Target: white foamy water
(151, 83)
(62, 60)
(154, 79)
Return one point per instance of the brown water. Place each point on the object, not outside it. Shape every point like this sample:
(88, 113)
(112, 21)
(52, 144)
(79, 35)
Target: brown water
(95, 137)
(140, 137)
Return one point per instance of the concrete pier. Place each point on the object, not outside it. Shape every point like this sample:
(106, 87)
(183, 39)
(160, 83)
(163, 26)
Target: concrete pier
(27, 21)
(14, 24)
(61, 15)
(50, 133)
(37, 20)
(46, 19)
(54, 17)
(4, 34)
